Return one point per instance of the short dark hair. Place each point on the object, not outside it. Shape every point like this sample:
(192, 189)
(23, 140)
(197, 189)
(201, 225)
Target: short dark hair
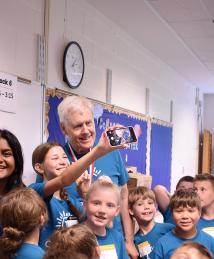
(186, 178)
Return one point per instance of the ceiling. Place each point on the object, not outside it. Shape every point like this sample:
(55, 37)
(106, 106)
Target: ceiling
(179, 32)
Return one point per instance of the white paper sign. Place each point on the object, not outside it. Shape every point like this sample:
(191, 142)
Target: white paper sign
(8, 88)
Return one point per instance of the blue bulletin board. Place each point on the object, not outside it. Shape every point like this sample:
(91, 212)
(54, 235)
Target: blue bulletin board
(161, 155)
(104, 116)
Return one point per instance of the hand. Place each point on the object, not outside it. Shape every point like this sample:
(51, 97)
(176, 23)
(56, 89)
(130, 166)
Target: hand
(104, 145)
(105, 178)
(131, 250)
(83, 184)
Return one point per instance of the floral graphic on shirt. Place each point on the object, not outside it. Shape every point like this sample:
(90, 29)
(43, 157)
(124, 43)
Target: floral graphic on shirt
(96, 172)
(66, 220)
(145, 249)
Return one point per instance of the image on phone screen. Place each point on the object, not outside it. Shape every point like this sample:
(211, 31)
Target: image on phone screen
(121, 136)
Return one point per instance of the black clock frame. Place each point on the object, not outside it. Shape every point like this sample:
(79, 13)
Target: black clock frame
(65, 78)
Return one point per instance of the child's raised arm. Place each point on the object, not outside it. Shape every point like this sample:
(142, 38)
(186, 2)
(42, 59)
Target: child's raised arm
(74, 171)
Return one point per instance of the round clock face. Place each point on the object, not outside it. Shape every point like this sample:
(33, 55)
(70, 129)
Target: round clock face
(73, 64)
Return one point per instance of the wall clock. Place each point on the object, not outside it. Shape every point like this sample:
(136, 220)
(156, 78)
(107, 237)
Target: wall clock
(73, 64)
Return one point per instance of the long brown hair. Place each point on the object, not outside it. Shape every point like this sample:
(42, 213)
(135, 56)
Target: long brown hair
(64, 196)
(38, 156)
(21, 211)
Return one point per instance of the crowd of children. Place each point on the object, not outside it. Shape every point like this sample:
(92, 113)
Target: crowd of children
(44, 220)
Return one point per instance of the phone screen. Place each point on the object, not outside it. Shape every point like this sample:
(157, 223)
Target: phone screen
(121, 136)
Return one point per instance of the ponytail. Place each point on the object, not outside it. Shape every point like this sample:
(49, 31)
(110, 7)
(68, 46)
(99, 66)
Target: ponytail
(21, 212)
(10, 241)
(64, 196)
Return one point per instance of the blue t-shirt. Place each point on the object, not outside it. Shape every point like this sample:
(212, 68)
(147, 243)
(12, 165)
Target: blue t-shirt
(110, 165)
(169, 242)
(207, 225)
(145, 243)
(167, 215)
(112, 245)
(58, 211)
(27, 251)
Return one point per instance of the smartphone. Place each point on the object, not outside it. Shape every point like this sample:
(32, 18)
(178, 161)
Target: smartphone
(121, 136)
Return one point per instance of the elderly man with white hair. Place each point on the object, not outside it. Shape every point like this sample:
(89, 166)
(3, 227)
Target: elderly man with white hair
(77, 123)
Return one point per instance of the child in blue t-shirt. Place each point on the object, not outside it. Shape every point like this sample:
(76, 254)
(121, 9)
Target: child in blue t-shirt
(50, 161)
(163, 196)
(22, 214)
(102, 205)
(142, 206)
(185, 207)
(204, 186)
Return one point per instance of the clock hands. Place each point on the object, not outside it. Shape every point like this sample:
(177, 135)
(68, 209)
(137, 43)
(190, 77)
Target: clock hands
(74, 63)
